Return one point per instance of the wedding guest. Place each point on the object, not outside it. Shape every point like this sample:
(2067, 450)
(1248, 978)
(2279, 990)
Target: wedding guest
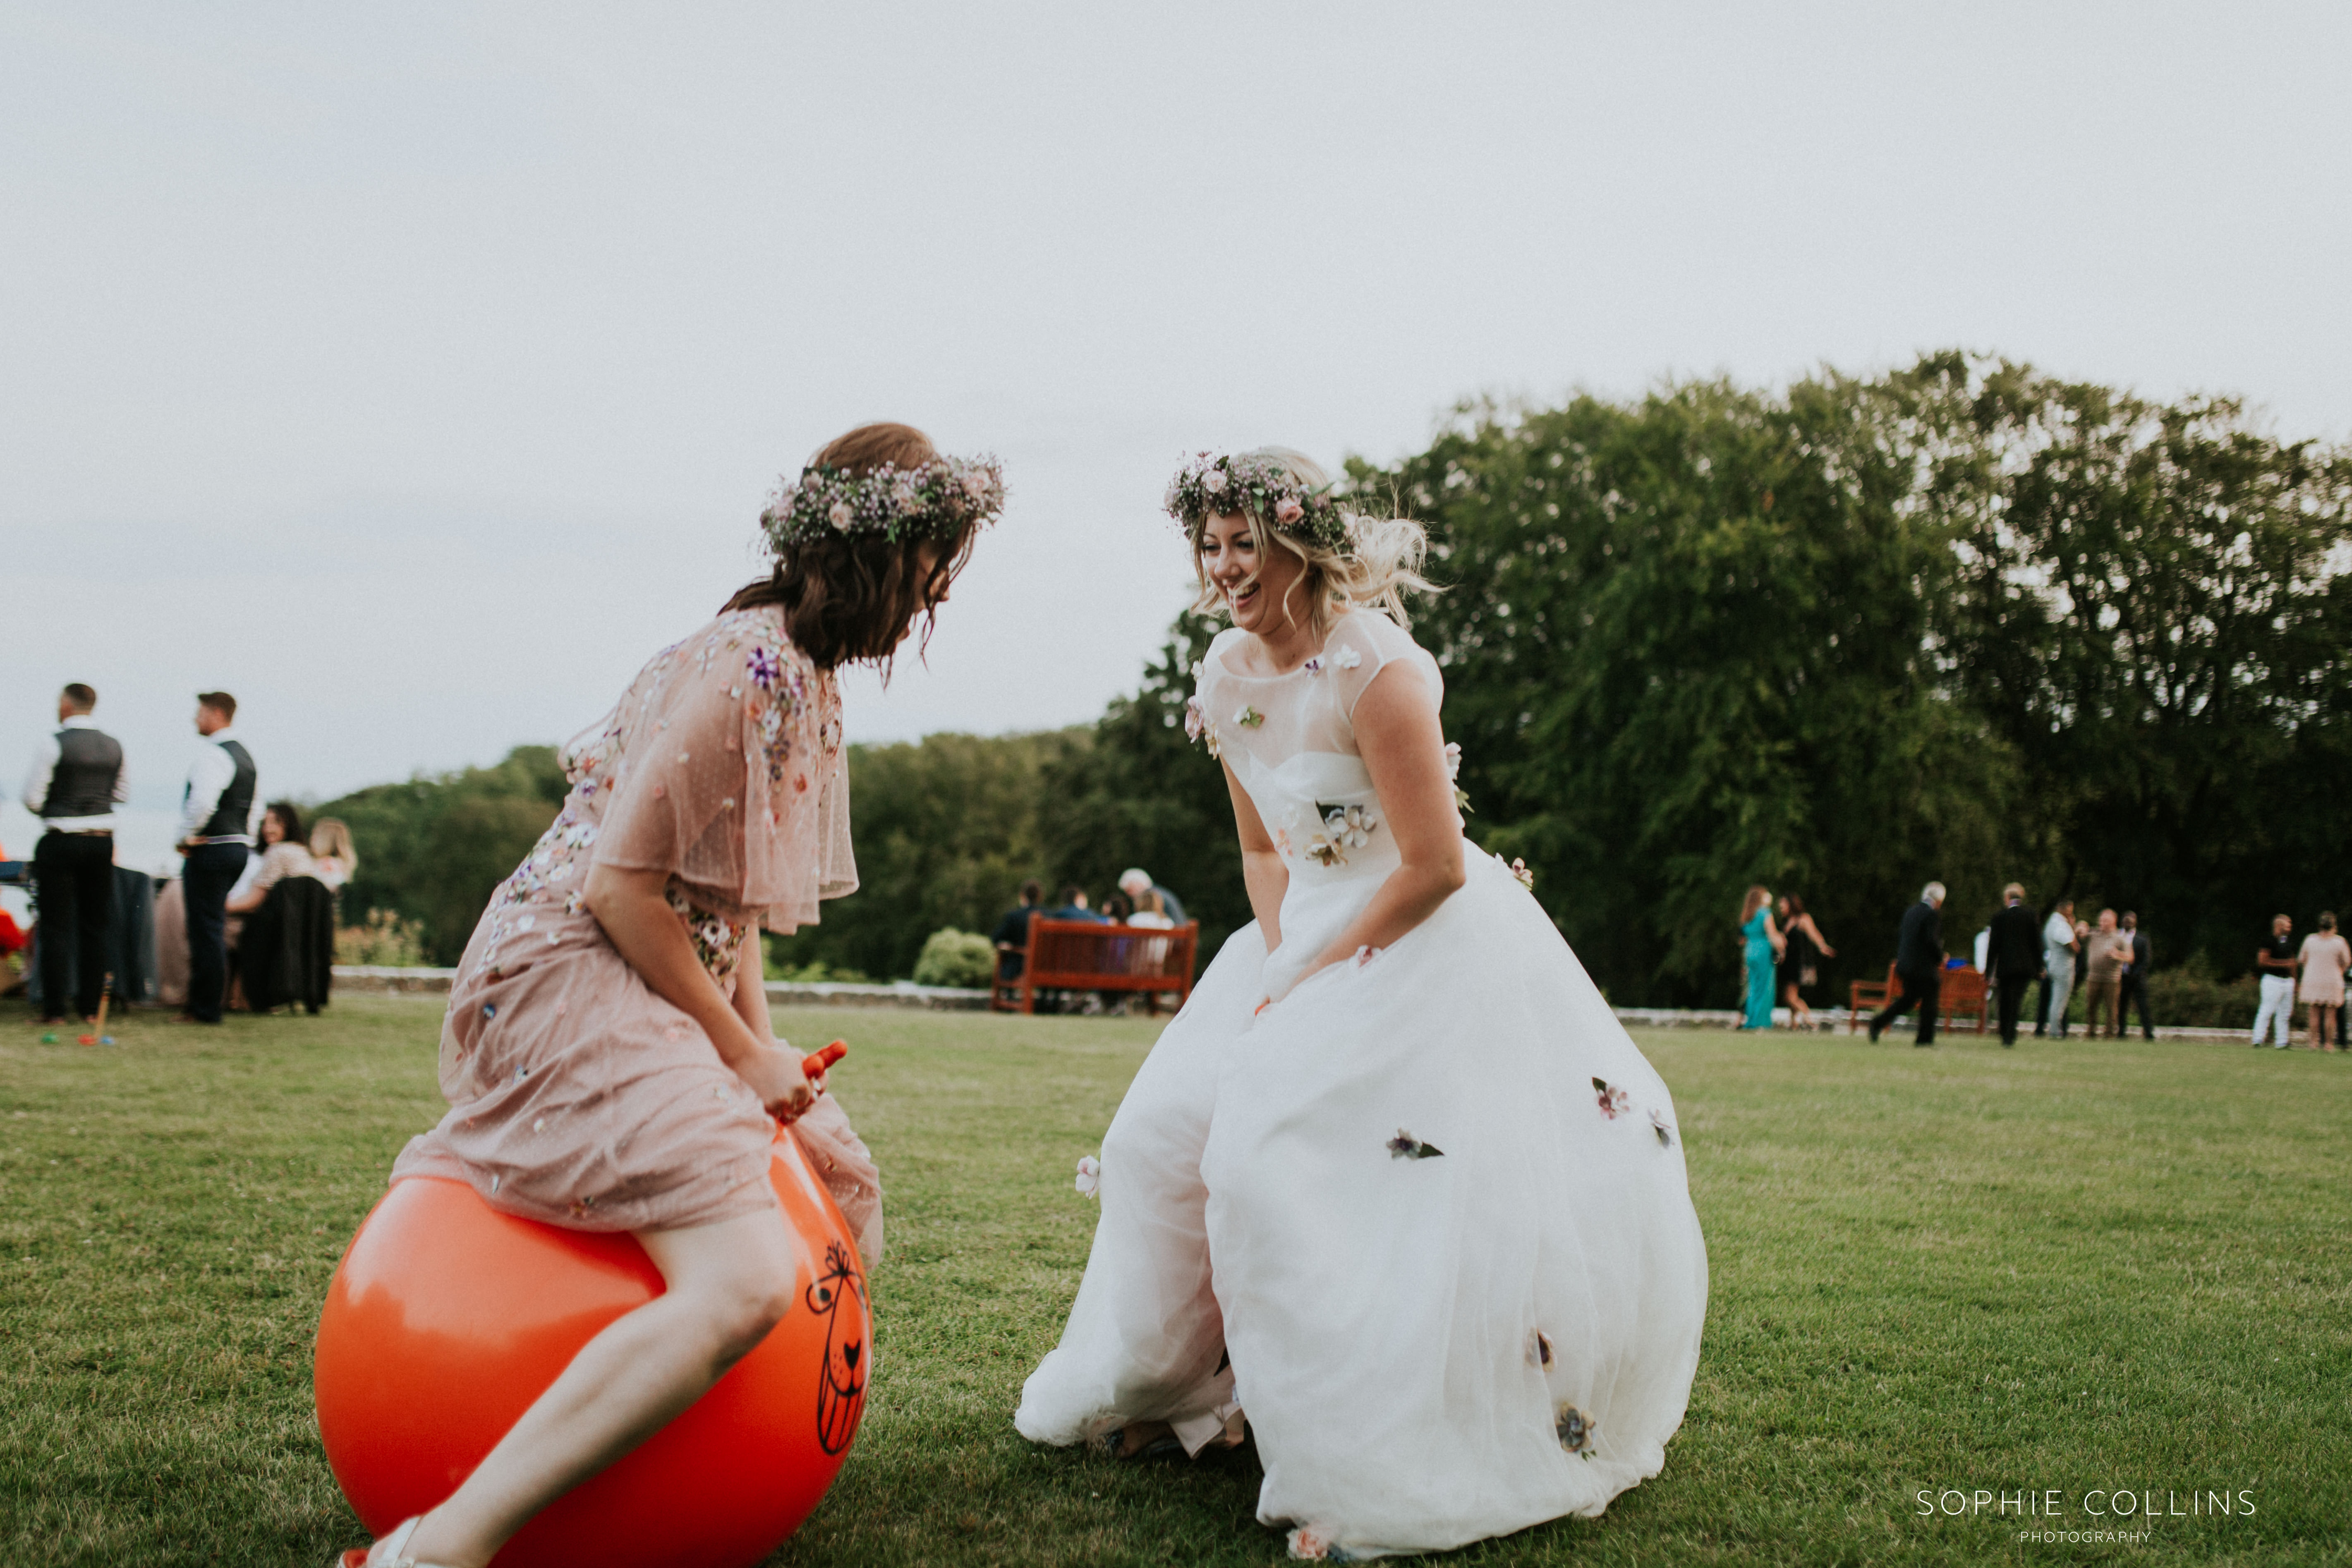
(1152, 912)
(2274, 961)
(1799, 961)
(1074, 907)
(2325, 958)
(608, 1055)
(2135, 980)
(76, 782)
(216, 813)
(334, 860)
(1135, 883)
(1762, 944)
(1012, 933)
(2110, 950)
(283, 854)
(1918, 966)
(172, 945)
(1116, 909)
(2061, 944)
(2012, 958)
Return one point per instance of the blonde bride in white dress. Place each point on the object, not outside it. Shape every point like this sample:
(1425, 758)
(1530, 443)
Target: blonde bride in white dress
(1394, 1187)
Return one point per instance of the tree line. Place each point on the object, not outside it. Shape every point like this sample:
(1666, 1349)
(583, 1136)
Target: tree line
(1960, 621)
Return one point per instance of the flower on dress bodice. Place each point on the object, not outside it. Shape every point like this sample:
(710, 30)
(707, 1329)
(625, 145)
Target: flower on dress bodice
(1345, 827)
(1198, 725)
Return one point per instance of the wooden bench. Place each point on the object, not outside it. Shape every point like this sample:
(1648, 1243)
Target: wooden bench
(1086, 956)
(1868, 997)
(1961, 992)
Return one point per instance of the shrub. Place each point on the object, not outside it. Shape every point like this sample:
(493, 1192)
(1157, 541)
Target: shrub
(2193, 996)
(434, 850)
(953, 957)
(382, 939)
(818, 972)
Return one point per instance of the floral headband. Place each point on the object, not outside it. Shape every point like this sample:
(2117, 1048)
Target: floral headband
(1207, 487)
(933, 501)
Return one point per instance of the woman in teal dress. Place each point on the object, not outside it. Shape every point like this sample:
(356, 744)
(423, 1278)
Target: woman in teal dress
(1764, 944)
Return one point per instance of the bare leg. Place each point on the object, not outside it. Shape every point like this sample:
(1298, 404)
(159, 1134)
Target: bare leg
(728, 1285)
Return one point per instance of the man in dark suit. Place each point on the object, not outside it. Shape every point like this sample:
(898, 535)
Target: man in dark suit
(2012, 958)
(1918, 966)
(2135, 987)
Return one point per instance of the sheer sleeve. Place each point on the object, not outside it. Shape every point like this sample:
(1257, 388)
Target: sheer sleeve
(837, 862)
(1365, 642)
(728, 774)
(680, 782)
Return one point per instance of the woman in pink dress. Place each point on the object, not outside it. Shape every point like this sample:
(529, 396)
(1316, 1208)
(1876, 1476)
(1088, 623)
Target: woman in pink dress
(2325, 958)
(607, 1056)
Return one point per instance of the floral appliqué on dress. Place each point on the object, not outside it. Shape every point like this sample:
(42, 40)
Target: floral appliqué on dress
(779, 689)
(1577, 1431)
(718, 941)
(1345, 827)
(1198, 725)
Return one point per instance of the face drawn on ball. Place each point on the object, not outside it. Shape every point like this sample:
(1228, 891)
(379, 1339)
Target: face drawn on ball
(841, 1390)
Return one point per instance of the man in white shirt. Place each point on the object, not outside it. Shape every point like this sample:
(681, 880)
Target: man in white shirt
(217, 812)
(2058, 949)
(76, 782)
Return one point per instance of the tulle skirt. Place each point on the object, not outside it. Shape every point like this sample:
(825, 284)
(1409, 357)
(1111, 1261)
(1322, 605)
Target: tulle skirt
(1424, 1222)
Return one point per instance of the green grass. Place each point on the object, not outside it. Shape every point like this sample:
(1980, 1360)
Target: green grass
(2069, 1267)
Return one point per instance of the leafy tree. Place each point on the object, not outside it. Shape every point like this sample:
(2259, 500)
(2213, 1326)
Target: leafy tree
(2151, 610)
(1685, 643)
(1143, 795)
(945, 830)
(434, 850)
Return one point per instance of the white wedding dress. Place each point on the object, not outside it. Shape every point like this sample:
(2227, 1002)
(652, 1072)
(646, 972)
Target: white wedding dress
(1424, 1222)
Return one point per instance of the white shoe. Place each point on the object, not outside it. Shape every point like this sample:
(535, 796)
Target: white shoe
(387, 1550)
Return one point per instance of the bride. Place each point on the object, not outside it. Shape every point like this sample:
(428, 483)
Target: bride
(1394, 1186)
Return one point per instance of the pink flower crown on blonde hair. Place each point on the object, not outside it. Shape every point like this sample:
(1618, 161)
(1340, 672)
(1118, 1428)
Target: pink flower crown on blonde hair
(1209, 486)
(937, 500)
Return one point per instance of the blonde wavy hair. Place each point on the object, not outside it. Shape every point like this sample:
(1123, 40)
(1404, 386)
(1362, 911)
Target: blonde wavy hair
(1374, 568)
(331, 839)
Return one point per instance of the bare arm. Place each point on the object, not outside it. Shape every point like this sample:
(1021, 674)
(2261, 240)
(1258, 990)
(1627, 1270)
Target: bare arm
(251, 899)
(636, 915)
(1772, 934)
(1262, 871)
(1819, 940)
(1404, 750)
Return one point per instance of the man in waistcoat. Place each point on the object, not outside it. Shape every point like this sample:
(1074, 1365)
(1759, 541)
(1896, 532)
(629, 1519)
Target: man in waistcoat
(76, 783)
(216, 818)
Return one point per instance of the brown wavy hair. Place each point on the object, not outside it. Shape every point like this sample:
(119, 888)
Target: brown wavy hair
(851, 599)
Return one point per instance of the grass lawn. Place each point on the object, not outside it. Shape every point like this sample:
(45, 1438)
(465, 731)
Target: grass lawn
(2073, 1268)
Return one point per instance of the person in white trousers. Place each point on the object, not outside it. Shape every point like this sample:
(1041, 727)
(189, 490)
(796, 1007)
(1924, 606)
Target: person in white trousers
(2275, 961)
(2059, 945)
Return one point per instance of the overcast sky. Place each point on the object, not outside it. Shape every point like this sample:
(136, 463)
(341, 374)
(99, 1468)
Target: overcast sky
(415, 370)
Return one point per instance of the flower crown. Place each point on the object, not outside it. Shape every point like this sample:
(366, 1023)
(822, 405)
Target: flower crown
(935, 500)
(1207, 487)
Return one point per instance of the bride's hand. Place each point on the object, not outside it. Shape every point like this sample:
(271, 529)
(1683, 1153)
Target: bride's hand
(775, 1076)
(1280, 983)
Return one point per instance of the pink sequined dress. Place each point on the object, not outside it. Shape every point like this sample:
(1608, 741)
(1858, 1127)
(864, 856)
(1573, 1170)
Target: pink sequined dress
(576, 1094)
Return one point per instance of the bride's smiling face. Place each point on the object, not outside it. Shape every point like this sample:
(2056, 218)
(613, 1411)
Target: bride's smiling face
(1255, 587)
